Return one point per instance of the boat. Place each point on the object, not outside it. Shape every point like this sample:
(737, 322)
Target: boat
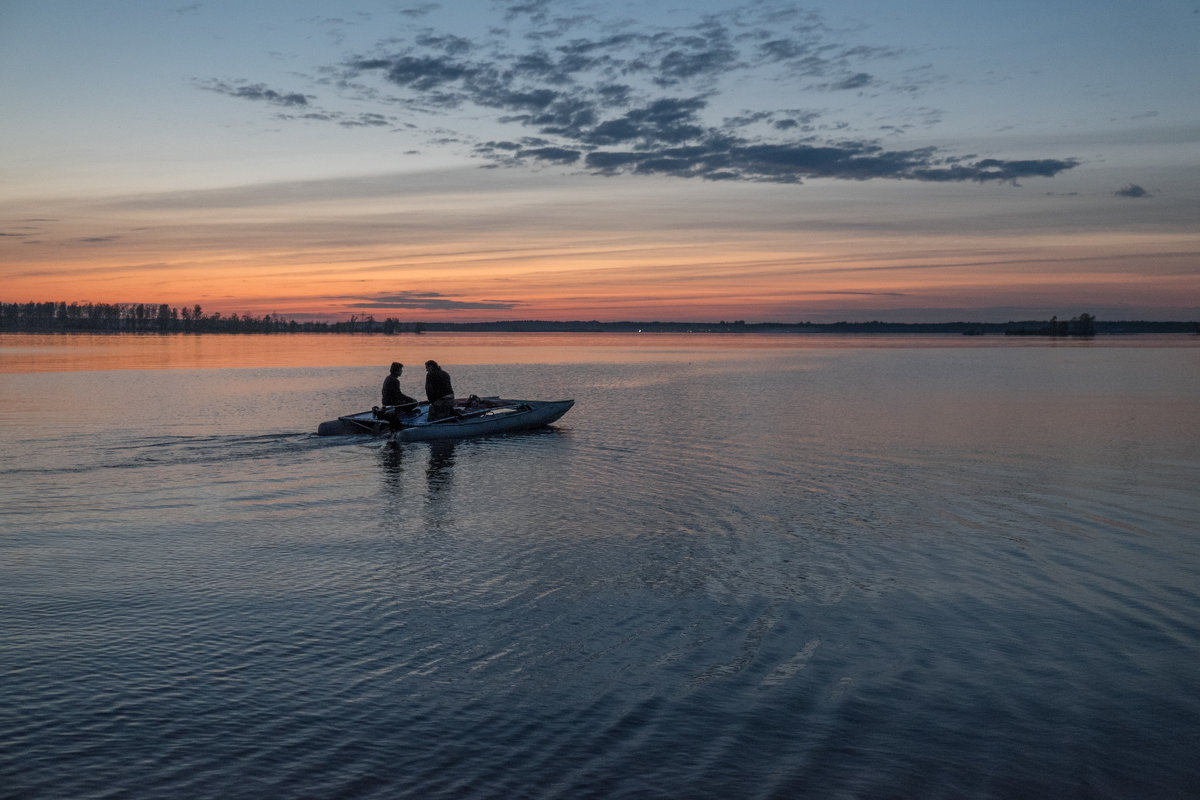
(474, 416)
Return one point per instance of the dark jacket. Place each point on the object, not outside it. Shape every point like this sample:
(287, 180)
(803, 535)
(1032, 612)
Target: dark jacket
(437, 384)
(392, 396)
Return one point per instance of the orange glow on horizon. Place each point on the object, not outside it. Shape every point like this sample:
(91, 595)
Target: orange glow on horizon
(791, 277)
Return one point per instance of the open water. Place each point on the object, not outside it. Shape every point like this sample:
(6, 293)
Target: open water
(740, 567)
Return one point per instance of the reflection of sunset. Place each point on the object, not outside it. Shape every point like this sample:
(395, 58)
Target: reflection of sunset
(29, 353)
(84, 352)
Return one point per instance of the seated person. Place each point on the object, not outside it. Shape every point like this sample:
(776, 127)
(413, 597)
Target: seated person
(439, 392)
(395, 402)
(392, 396)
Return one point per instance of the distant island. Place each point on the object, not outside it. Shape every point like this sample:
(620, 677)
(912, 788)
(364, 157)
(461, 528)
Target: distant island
(48, 317)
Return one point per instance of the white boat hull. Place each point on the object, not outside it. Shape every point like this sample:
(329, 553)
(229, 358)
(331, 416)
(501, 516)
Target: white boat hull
(496, 416)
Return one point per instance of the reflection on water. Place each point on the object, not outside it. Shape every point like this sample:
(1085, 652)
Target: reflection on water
(434, 462)
(98, 352)
(391, 459)
(438, 458)
(439, 480)
(25, 352)
(441, 464)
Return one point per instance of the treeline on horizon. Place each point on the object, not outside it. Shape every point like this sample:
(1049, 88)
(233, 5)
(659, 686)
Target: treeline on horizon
(162, 318)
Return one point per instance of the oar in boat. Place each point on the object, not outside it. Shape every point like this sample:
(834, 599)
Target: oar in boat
(460, 416)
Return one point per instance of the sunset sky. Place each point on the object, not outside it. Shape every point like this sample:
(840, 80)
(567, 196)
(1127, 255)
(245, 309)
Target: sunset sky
(538, 159)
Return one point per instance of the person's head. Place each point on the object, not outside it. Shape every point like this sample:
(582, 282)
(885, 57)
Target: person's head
(431, 364)
(397, 367)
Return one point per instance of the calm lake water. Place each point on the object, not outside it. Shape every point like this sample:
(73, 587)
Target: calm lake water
(740, 567)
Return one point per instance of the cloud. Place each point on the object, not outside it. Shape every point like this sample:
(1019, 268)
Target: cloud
(613, 98)
(725, 158)
(256, 91)
(428, 301)
(862, 294)
(419, 10)
(560, 155)
(1132, 190)
(859, 80)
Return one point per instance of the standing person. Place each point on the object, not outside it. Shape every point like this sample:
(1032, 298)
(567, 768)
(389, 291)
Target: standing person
(438, 391)
(392, 396)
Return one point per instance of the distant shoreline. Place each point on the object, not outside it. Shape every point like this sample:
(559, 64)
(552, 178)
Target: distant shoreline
(60, 317)
(1022, 328)
(1116, 328)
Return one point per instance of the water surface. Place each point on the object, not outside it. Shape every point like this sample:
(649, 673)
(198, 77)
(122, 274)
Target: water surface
(741, 566)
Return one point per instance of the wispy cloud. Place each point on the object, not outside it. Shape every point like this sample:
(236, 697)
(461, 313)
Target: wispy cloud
(245, 90)
(427, 301)
(859, 294)
(609, 98)
(1132, 191)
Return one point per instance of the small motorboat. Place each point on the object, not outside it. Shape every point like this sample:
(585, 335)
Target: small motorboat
(474, 416)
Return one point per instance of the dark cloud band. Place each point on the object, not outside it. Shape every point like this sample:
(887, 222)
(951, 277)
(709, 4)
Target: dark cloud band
(428, 301)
